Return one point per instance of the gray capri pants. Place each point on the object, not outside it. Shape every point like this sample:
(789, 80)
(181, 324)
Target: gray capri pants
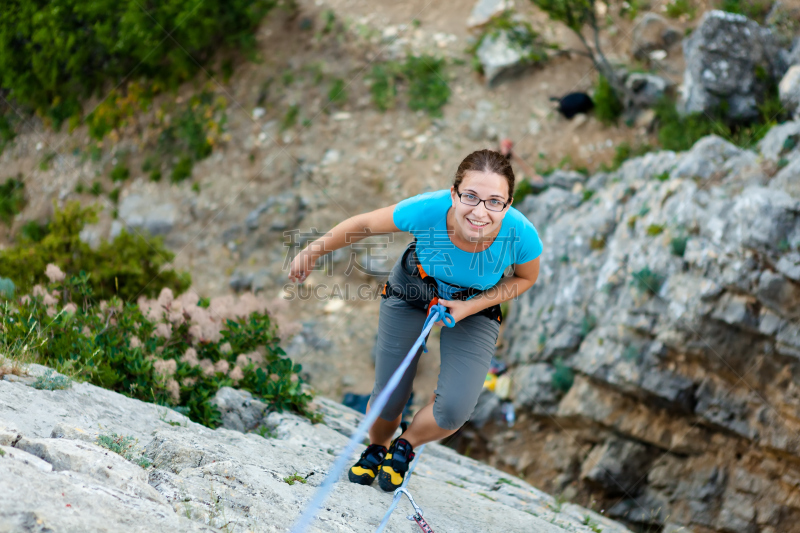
(466, 352)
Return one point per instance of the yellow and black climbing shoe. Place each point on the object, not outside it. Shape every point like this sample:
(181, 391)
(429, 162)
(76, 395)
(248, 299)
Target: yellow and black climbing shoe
(364, 471)
(395, 465)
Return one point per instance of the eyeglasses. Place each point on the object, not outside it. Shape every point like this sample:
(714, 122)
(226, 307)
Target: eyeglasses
(492, 204)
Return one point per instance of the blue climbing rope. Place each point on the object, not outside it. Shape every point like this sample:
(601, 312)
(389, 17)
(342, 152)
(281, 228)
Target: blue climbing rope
(437, 312)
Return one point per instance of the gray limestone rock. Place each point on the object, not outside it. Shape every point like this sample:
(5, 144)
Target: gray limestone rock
(505, 53)
(645, 90)
(485, 10)
(203, 479)
(240, 411)
(653, 32)
(729, 57)
(789, 89)
(141, 213)
(618, 466)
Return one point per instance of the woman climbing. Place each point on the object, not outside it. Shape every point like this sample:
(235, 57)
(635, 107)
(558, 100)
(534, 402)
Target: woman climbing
(464, 240)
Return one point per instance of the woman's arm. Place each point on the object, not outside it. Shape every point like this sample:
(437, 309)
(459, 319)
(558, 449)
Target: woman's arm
(525, 275)
(343, 234)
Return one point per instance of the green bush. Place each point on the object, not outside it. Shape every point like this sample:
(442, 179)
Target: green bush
(522, 189)
(12, 199)
(190, 136)
(159, 351)
(607, 105)
(128, 266)
(120, 172)
(7, 289)
(53, 54)
(754, 9)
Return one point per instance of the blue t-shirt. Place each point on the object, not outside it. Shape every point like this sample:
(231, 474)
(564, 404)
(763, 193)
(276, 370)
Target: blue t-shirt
(425, 216)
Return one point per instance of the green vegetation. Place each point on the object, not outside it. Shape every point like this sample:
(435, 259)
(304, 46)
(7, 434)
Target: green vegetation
(677, 245)
(12, 199)
(654, 230)
(631, 353)
(49, 381)
(664, 176)
(507, 482)
(124, 446)
(295, 477)
(154, 351)
(7, 289)
(426, 79)
(34, 231)
(563, 377)
(754, 9)
(266, 432)
(120, 172)
(588, 323)
(645, 280)
(679, 133)
(607, 106)
(290, 118)
(486, 496)
(191, 135)
(678, 8)
(51, 62)
(522, 189)
(587, 195)
(7, 133)
(623, 152)
(427, 85)
(592, 524)
(337, 94)
(128, 266)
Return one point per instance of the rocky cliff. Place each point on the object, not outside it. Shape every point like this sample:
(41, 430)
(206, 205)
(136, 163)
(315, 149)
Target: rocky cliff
(669, 297)
(180, 476)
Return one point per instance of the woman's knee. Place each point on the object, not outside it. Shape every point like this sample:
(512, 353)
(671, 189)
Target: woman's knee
(451, 413)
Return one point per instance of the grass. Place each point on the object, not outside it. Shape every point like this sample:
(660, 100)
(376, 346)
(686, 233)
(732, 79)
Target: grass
(295, 477)
(563, 377)
(654, 230)
(645, 280)
(427, 84)
(124, 446)
(337, 94)
(677, 245)
(424, 76)
(459, 485)
(290, 118)
(507, 482)
(266, 432)
(51, 382)
(593, 525)
(12, 199)
(486, 496)
(678, 8)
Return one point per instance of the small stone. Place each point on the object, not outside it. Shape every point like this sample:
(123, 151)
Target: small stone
(258, 112)
(331, 157)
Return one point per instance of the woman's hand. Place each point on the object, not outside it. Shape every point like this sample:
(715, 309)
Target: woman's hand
(458, 308)
(301, 266)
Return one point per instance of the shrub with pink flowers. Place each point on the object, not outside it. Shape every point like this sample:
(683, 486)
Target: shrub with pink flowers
(175, 351)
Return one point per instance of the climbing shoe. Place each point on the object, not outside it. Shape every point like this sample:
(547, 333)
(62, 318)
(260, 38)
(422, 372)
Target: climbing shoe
(365, 470)
(395, 465)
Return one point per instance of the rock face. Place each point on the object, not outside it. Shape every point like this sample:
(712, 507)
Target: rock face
(505, 53)
(673, 303)
(53, 477)
(729, 57)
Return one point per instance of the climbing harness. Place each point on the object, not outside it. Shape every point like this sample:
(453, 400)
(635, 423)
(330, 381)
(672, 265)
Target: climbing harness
(436, 289)
(436, 313)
